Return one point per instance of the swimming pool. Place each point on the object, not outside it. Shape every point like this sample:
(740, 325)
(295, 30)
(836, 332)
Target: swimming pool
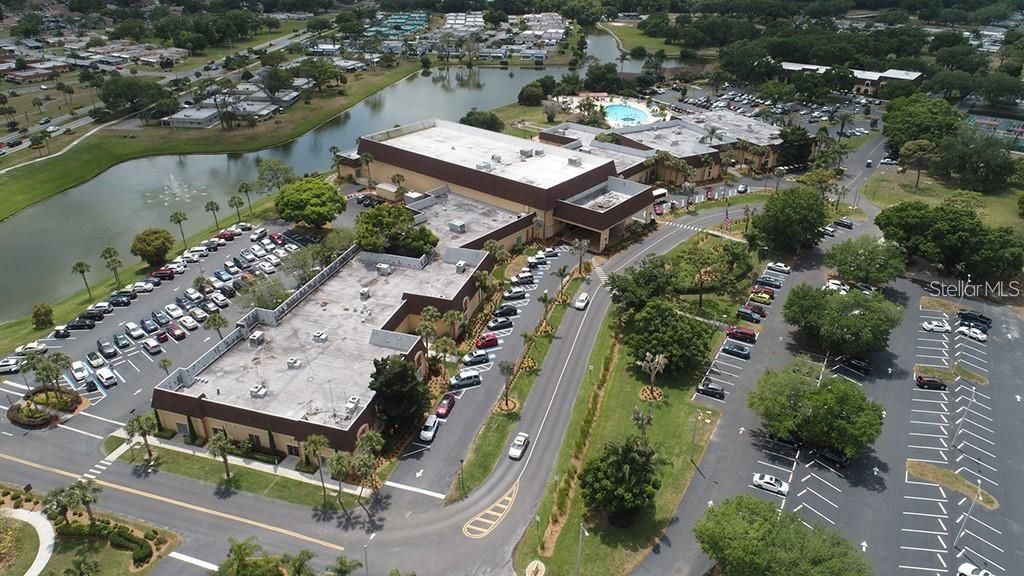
(623, 115)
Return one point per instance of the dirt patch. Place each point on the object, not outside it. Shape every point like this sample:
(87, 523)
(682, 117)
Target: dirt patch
(507, 407)
(933, 303)
(651, 394)
(953, 481)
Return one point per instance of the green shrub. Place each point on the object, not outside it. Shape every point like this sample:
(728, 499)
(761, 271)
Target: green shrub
(150, 535)
(165, 434)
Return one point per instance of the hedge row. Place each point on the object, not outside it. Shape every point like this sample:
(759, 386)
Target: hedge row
(119, 537)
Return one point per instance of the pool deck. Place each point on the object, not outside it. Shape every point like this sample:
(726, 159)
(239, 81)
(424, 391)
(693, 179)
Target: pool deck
(650, 114)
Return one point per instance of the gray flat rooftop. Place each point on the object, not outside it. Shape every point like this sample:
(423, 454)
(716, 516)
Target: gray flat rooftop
(673, 137)
(491, 152)
(607, 195)
(623, 156)
(738, 126)
(479, 218)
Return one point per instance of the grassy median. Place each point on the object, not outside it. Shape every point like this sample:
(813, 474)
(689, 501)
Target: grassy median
(948, 375)
(33, 183)
(952, 481)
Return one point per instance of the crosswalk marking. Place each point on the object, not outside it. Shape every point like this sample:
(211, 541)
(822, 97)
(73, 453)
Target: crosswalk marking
(685, 226)
(601, 274)
(486, 521)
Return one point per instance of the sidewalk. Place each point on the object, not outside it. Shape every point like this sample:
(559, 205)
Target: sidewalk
(46, 538)
(279, 470)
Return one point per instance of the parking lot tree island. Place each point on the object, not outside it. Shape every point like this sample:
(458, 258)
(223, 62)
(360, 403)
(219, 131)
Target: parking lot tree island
(312, 201)
(153, 245)
(867, 259)
(790, 221)
(852, 324)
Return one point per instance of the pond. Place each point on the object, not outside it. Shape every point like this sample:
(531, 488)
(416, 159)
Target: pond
(112, 207)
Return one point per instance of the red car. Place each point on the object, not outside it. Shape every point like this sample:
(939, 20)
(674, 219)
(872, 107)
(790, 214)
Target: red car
(741, 334)
(445, 407)
(226, 235)
(176, 332)
(277, 238)
(764, 290)
(487, 341)
(164, 274)
(161, 336)
(757, 309)
(659, 209)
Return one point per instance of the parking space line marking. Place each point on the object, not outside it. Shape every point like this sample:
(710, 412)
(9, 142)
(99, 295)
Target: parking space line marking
(927, 447)
(943, 402)
(813, 491)
(916, 531)
(985, 452)
(986, 525)
(925, 514)
(975, 553)
(718, 360)
(773, 466)
(777, 454)
(927, 423)
(973, 423)
(974, 365)
(997, 548)
(971, 410)
(809, 507)
(920, 411)
(107, 420)
(978, 474)
(923, 569)
(16, 385)
(921, 549)
(940, 500)
(826, 482)
(928, 435)
(973, 391)
(83, 432)
(974, 403)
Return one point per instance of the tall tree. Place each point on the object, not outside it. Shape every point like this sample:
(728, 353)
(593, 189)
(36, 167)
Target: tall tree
(507, 369)
(867, 259)
(579, 247)
(917, 155)
(272, 175)
(401, 395)
(178, 217)
(112, 260)
(85, 493)
(142, 425)
(220, 446)
(658, 329)
(312, 201)
(216, 322)
(236, 202)
(343, 566)
(366, 159)
(82, 268)
(315, 445)
(245, 189)
(299, 564)
(791, 220)
(622, 481)
(213, 207)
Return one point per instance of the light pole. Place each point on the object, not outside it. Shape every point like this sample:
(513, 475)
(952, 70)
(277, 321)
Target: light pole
(462, 487)
(968, 517)
(960, 425)
(579, 548)
(956, 359)
(366, 554)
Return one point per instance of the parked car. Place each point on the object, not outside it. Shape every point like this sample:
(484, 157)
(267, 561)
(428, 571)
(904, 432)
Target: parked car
(81, 324)
(106, 377)
(828, 231)
(92, 314)
(134, 330)
(771, 484)
(858, 365)
(737, 350)
(188, 323)
(487, 341)
(972, 316)
(120, 301)
(519, 446)
(445, 406)
(464, 379)
(756, 309)
(102, 307)
(12, 365)
(770, 281)
(61, 332)
(514, 293)
(779, 267)
(741, 334)
(266, 267)
(968, 569)
(499, 324)
(149, 326)
(164, 274)
(506, 311)
(581, 301)
(930, 383)
(160, 318)
(122, 341)
(476, 357)
(151, 346)
(760, 298)
(209, 307)
(769, 292)
(193, 295)
(142, 287)
(523, 279)
(95, 360)
(709, 388)
(745, 314)
(219, 300)
(844, 223)
(106, 349)
(226, 235)
(199, 314)
(79, 371)
(223, 275)
(972, 333)
(936, 326)
(32, 348)
(232, 269)
(258, 234)
(176, 332)
(277, 238)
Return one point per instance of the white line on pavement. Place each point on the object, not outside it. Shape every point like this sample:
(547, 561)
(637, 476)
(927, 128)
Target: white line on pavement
(193, 561)
(423, 491)
(108, 420)
(83, 432)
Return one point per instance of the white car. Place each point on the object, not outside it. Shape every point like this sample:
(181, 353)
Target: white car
(972, 333)
(779, 267)
(248, 256)
(258, 251)
(36, 347)
(581, 301)
(134, 331)
(174, 311)
(142, 287)
(104, 307)
(280, 252)
(968, 569)
(834, 284)
(178, 267)
(771, 484)
(274, 260)
(936, 326)
(519, 445)
(191, 257)
(199, 314)
(219, 299)
(78, 371)
(266, 267)
(188, 322)
(11, 365)
(429, 429)
(230, 268)
(193, 295)
(888, 162)
(291, 247)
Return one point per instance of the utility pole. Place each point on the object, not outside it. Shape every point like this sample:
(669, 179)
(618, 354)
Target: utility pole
(966, 518)
(579, 548)
(366, 554)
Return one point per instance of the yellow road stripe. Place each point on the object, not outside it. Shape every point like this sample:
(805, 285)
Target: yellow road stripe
(472, 530)
(179, 504)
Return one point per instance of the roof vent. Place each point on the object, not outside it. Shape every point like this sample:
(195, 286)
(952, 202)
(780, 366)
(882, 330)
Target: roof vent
(320, 336)
(675, 143)
(350, 407)
(496, 158)
(525, 152)
(258, 391)
(384, 269)
(538, 151)
(484, 166)
(294, 362)
(575, 161)
(256, 338)
(457, 226)
(677, 131)
(658, 136)
(364, 294)
(460, 267)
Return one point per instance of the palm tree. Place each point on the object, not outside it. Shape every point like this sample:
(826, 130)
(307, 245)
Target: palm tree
(240, 553)
(334, 150)
(453, 318)
(315, 445)
(298, 565)
(710, 133)
(652, 365)
(142, 425)
(84, 493)
(622, 57)
(398, 180)
(82, 565)
(343, 567)
(212, 207)
(444, 346)
(844, 118)
(112, 260)
(341, 467)
(236, 202)
(507, 369)
(562, 272)
(82, 269)
(428, 324)
(220, 446)
(216, 322)
(245, 188)
(579, 247)
(165, 365)
(546, 301)
(528, 339)
(38, 103)
(58, 501)
(366, 158)
(780, 173)
(177, 218)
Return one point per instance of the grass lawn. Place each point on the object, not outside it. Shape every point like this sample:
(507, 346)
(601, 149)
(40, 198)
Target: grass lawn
(889, 187)
(112, 562)
(513, 113)
(953, 481)
(717, 306)
(200, 58)
(609, 550)
(35, 182)
(14, 333)
(24, 543)
(629, 37)
(242, 479)
(493, 438)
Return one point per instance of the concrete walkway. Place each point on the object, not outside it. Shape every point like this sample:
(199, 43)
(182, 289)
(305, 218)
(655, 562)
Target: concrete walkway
(279, 470)
(46, 538)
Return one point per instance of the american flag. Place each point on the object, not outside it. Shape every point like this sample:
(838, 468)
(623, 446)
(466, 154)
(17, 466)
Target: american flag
(727, 219)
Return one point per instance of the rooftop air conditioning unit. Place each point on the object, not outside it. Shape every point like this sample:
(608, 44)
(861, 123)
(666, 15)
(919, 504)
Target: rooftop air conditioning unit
(675, 143)
(457, 226)
(658, 136)
(538, 151)
(256, 338)
(258, 391)
(320, 336)
(294, 362)
(483, 166)
(495, 158)
(525, 152)
(460, 267)
(384, 269)
(351, 406)
(575, 161)
(364, 294)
